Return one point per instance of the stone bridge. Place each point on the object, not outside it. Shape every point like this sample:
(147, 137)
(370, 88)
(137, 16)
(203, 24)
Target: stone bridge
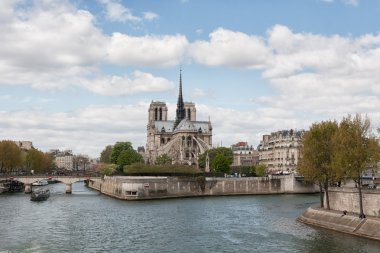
(67, 180)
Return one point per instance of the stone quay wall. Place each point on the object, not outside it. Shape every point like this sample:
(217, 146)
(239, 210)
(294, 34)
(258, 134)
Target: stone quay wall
(137, 188)
(342, 198)
(349, 223)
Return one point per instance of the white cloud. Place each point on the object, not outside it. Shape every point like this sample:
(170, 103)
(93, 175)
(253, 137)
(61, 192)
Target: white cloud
(351, 2)
(124, 85)
(52, 45)
(230, 48)
(150, 15)
(198, 93)
(115, 11)
(199, 31)
(149, 50)
(313, 74)
(86, 130)
(347, 2)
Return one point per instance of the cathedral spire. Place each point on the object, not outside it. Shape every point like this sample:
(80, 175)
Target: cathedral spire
(180, 112)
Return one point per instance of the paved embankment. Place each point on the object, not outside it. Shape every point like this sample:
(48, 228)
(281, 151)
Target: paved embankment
(336, 220)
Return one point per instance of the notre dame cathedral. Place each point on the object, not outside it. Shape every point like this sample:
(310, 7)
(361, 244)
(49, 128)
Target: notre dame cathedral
(182, 139)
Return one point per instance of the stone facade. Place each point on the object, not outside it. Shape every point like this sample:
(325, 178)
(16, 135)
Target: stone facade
(182, 139)
(63, 159)
(24, 145)
(244, 155)
(279, 151)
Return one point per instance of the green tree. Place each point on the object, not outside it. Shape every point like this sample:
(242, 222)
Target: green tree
(355, 148)
(213, 153)
(163, 160)
(107, 169)
(128, 157)
(10, 156)
(105, 155)
(315, 163)
(261, 170)
(117, 149)
(38, 161)
(221, 163)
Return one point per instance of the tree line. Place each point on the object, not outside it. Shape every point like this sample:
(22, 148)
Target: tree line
(122, 158)
(14, 160)
(333, 152)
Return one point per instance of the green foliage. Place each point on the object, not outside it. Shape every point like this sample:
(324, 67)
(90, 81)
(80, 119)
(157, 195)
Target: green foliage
(10, 156)
(155, 169)
(38, 161)
(315, 163)
(224, 160)
(261, 170)
(105, 156)
(117, 149)
(163, 159)
(317, 152)
(122, 154)
(128, 157)
(354, 147)
(245, 169)
(107, 169)
(221, 163)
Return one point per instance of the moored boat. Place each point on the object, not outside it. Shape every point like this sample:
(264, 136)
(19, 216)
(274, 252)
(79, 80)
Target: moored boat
(40, 183)
(40, 195)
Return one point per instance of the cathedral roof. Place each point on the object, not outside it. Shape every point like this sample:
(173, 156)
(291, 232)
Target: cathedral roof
(164, 126)
(185, 125)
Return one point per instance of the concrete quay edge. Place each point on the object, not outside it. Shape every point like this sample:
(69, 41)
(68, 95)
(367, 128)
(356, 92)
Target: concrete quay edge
(350, 223)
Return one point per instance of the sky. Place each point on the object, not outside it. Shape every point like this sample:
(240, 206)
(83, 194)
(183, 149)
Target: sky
(80, 74)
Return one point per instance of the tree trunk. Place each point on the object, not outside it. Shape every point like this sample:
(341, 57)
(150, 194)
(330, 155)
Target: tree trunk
(361, 214)
(321, 194)
(327, 194)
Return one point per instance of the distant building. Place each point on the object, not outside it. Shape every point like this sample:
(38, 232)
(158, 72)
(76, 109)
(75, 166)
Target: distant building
(63, 159)
(244, 155)
(140, 149)
(279, 151)
(24, 145)
(182, 139)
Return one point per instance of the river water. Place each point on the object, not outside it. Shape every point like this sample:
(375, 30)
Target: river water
(86, 221)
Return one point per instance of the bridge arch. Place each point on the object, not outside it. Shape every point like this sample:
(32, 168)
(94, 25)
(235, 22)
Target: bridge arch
(29, 180)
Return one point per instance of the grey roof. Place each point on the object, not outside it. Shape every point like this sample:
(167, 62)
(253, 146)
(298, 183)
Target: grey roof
(167, 126)
(184, 125)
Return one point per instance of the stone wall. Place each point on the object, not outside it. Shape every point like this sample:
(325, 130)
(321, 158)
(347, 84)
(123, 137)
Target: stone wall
(132, 188)
(348, 199)
(95, 185)
(349, 223)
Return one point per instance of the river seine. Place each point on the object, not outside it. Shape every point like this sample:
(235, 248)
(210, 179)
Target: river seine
(86, 221)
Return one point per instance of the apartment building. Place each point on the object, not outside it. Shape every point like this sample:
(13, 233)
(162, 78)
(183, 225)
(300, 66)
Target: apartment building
(280, 151)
